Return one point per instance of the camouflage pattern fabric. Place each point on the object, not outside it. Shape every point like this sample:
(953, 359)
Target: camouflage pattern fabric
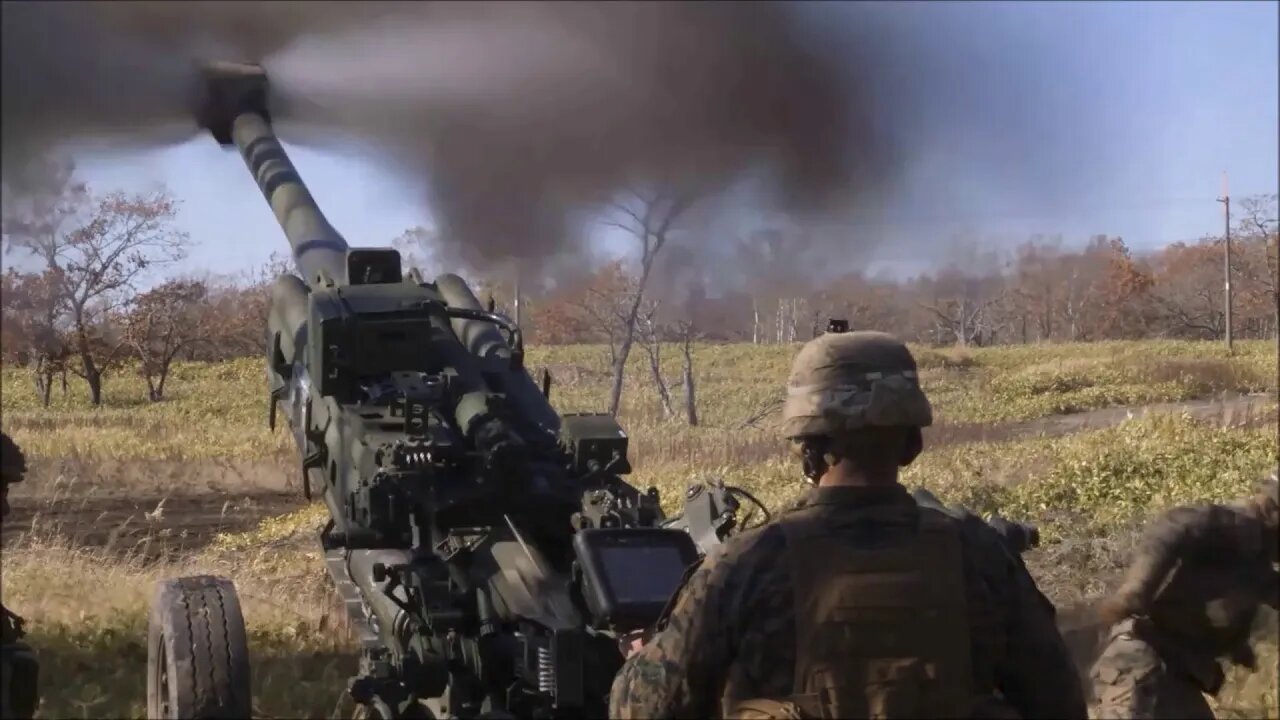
(19, 669)
(1188, 600)
(730, 636)
(846, 381)
(1132, 680)
(1203, 570)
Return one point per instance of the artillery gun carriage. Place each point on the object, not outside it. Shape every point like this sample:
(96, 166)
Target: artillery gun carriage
(486, 548)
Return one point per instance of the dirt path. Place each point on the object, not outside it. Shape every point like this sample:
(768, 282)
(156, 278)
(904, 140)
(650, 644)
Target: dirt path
(152, 526)
(1246, 410)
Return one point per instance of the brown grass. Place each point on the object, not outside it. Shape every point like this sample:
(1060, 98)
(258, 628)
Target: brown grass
(301, 650)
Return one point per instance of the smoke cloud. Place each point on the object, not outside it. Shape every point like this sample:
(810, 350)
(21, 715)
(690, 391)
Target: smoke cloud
(517, 120)
(513, 116)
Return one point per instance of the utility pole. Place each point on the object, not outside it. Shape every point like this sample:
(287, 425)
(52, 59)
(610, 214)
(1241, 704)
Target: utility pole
(1226, 261)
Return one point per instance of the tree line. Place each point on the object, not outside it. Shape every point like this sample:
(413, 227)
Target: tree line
(78, 306)
(1041, 291)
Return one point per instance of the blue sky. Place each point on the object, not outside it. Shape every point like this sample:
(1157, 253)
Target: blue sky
(1124, 119)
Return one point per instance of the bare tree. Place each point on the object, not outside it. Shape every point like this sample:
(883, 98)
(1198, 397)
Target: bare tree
(41, 200)
(650, 218)
(164, 322)
(32, 336)
(1036, 278)
(961, 296)
(92, 251)
(606, 304)
(651, 334)
(961, 306)
(236, 311)
(772, 261)
(1260, 245)
(1188, 289)
(687, 334)
(101, 262)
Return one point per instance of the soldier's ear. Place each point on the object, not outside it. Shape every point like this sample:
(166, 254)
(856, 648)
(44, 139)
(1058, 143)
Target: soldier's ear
(912, 448)
(813, 458)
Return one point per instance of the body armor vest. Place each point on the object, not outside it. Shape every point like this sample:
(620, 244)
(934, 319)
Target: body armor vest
(882, 628)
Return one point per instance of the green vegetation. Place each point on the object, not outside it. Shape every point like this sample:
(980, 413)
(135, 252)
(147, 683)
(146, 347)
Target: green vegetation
(219, 410)
(1093, 482)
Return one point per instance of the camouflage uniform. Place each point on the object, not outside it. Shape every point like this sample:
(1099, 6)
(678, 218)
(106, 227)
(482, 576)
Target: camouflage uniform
(732, 634)
(1132, 680)
(18, 667)
(1187, 603)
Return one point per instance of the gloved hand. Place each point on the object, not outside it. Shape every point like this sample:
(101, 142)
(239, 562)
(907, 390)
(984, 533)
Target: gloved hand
(631, 643)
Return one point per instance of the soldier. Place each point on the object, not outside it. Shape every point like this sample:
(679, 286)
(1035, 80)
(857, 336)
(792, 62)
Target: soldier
(859, 602)
(18, 666)
(1187, 603)
(13, 467)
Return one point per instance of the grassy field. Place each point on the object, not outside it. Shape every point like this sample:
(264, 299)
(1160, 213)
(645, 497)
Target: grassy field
(220, 411)
(1039, 433)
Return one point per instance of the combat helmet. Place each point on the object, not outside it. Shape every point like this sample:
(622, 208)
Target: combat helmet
(841, 382)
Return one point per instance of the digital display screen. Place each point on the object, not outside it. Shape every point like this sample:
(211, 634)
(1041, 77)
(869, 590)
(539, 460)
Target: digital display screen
(643, 574)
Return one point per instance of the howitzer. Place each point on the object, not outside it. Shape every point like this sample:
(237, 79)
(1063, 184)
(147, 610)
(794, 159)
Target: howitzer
(711, 510)
(486, 548)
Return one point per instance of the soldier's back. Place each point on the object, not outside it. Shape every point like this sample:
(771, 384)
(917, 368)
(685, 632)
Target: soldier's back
(780, 626)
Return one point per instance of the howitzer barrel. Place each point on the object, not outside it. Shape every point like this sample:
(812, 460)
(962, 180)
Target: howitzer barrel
(317, 246)
(234, 111)
(484, 341)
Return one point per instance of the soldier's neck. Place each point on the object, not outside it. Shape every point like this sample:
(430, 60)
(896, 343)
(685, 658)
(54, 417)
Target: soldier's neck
(841, 475)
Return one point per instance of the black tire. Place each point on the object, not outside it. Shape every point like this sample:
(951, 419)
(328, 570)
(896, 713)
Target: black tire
(197, 651)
